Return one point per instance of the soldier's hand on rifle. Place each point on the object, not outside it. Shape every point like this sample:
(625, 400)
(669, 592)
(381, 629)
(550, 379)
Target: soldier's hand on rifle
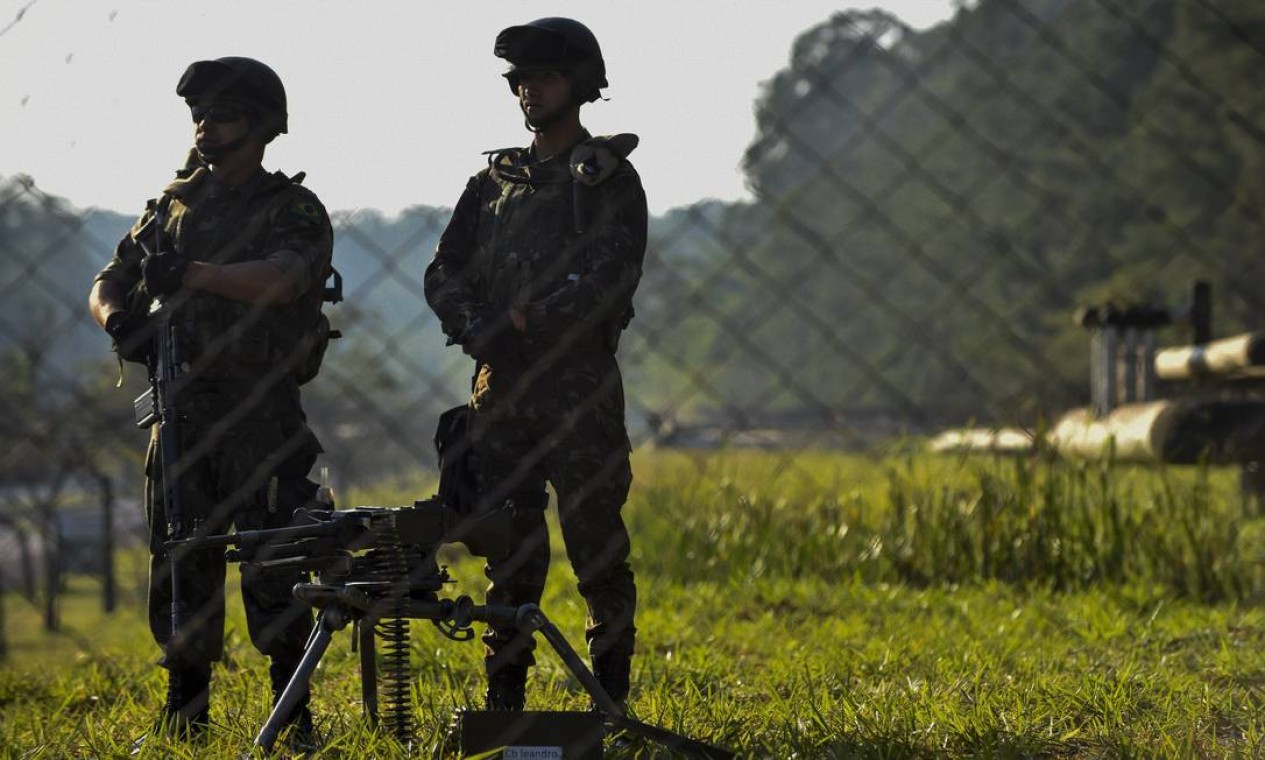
(133, 335)
(164, 273)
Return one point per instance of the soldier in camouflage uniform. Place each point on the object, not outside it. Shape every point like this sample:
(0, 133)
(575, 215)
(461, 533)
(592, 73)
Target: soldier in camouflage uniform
(242, 263)
(534, 278)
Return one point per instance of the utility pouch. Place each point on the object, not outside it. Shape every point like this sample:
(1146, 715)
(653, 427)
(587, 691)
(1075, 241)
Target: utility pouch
(458, 479)
(145, 408)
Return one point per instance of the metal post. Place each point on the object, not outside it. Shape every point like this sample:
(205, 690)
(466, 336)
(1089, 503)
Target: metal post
(4, 637)
(1110, 349)
(52, 570)
(1096, 390)
(1103, 371)
(1201, 313)
(1147, 368)
(1128, 356)
(108, 597)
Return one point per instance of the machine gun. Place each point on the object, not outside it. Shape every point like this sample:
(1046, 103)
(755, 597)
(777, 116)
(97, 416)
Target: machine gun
(376, 568)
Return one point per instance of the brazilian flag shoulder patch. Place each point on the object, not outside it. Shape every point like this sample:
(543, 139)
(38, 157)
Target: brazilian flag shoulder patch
(307, 211)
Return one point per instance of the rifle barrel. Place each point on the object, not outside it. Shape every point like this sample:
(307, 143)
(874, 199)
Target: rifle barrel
(264, 536)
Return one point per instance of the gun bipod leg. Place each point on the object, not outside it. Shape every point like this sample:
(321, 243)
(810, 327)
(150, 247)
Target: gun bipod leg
(329, 621)
(368, 668)
(531, 618)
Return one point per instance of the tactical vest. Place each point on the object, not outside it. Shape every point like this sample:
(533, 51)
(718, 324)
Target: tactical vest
(537, 222)
(233, 341)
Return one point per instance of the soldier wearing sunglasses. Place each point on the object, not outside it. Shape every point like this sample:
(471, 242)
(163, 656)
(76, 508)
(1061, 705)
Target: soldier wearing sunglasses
(238, 257)
(534, 278)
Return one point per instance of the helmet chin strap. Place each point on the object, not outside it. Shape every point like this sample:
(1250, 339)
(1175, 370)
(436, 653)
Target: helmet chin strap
(536, 129)
(550, 120)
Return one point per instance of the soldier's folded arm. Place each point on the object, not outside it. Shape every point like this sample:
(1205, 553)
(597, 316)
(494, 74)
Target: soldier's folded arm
(107, 297)
(258, 282)
(113, 283)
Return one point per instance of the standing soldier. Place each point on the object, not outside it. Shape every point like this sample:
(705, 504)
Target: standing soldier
(238, 257)
(534, 278)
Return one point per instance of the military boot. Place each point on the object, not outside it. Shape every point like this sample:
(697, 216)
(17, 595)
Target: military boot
(507, 687)
(613, 671)
(299, 732)
(186, 715)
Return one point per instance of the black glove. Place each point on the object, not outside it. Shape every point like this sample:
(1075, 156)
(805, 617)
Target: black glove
(164, 273)
(490, 338)
(133, 335)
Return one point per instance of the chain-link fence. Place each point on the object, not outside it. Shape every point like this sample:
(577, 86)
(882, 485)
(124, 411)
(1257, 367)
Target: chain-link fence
(929, 210)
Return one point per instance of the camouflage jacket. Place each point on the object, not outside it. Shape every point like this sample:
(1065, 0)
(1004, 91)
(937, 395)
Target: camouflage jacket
(270, 218)
(563, 239)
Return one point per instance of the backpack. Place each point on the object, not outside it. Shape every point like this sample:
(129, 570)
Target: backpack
(315, 339)
(316, 336)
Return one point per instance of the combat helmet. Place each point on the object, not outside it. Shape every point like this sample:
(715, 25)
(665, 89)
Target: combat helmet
(244, 80)
(554, 43)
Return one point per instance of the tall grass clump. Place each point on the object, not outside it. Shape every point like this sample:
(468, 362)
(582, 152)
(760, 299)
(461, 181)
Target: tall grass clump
(737, 516)
(1069, 524)
(740, 515)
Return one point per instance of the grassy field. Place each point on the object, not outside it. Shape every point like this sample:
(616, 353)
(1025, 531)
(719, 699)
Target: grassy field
(807, 605)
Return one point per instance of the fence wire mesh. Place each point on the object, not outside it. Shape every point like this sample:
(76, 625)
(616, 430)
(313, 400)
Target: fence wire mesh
(929, 208)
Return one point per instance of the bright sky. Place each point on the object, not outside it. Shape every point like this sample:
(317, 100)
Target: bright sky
(391, 102)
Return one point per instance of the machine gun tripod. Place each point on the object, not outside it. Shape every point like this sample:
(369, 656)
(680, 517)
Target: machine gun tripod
(376, 568)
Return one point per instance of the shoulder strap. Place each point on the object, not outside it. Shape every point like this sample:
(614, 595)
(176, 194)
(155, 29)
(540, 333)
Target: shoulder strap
(592, 162)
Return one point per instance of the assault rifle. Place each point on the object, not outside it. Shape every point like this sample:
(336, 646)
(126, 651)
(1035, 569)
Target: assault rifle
(376, 568)
(158, 405)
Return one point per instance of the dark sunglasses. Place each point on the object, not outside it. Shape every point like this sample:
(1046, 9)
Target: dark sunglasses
(219, 114)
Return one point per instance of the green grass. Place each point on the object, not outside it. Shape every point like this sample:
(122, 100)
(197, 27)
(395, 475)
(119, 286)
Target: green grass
(815, 605)
(921, 520)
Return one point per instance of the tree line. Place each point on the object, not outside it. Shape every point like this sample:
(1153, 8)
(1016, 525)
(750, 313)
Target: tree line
(929, 210)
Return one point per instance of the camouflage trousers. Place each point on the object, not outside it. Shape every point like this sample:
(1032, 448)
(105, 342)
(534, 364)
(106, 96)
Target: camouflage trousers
(573, 437)
(253, 478)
